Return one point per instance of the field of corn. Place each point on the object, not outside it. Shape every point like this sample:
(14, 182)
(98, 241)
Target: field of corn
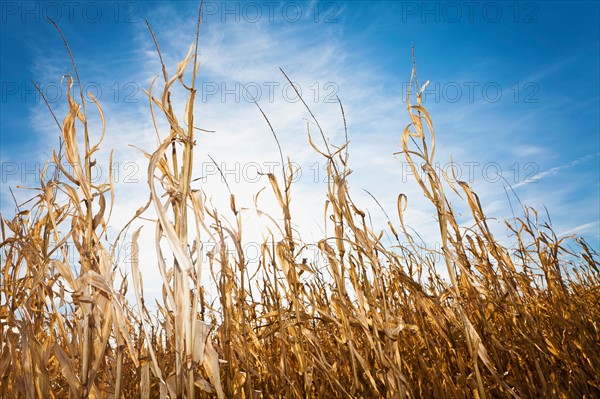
(389, 321)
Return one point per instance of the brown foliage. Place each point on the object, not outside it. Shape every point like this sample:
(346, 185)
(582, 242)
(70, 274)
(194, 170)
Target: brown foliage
(379, 321)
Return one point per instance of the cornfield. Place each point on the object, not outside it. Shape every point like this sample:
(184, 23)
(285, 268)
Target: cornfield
(379, 320)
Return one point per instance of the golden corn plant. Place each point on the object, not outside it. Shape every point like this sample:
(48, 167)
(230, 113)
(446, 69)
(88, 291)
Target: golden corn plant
(374, 318)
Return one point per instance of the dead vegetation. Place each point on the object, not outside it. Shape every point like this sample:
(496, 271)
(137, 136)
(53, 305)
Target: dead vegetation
(379, 321)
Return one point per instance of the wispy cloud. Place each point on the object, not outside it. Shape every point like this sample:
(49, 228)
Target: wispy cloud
(590, 228)
(557, 169)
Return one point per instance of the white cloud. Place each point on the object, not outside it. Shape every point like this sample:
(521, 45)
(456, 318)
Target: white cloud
(556, 170)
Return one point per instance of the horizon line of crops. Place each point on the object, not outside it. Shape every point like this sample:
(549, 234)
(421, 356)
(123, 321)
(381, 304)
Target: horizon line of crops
(378, 321)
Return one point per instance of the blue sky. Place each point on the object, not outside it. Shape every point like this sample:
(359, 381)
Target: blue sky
(513, 92)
